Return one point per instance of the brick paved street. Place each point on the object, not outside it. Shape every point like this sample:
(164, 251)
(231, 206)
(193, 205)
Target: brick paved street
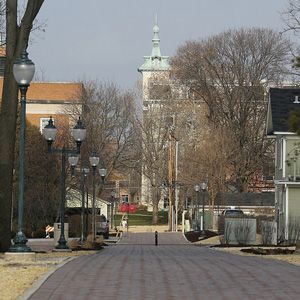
(137, 269)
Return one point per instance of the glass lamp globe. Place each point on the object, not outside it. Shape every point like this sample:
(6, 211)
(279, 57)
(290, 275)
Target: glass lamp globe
(79, 131)
(50, 131)
(23, 69)
(102, 172)
(94, 160)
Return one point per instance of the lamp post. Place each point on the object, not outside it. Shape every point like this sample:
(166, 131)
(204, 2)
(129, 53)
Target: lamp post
(78, 134)
(112, 217)
(94, 161)
(23, 70)
(84, 172)
(102, 173)
(203, 186)
(197, 190)
(73, 160)
(87, 212)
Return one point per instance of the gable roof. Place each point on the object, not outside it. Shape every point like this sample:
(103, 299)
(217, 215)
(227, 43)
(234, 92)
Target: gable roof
(73, 199)
(247, 199)
(282, 102)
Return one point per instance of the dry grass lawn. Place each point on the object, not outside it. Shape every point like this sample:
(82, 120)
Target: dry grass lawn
(290, 258)
(16, 276)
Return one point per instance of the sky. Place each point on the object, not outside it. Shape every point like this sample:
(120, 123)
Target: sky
(106, 40)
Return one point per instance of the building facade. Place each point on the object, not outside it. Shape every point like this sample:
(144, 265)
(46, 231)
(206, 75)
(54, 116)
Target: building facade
(282, 102)
(155, 75)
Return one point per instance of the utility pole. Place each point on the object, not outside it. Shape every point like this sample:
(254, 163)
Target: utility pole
(176, 186)
(171, 176)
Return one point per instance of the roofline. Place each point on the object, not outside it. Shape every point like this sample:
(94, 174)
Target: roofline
(57, 82)
(153, 70)
(65, 102)
(284, 133)
(76, 192)
(244, 206)
(285, 182)
(269, 123)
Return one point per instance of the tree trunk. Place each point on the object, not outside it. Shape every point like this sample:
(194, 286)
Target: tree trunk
(16, 40)
(7, 145)
(297, 250)
(156, 197)
(155, 213)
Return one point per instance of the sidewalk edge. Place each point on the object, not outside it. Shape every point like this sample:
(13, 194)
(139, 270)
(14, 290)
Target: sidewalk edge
(37, 284)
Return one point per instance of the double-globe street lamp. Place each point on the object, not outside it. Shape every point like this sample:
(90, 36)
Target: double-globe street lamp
(78, 133)
(113, 207)
(94, 161)
(202, 186)
(23, 70)
(84, 173)
(197, 190)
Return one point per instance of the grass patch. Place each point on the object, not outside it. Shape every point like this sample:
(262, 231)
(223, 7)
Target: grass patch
(142, 217)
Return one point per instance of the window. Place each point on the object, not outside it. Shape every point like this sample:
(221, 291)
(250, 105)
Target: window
(125, 199)
(43, 123)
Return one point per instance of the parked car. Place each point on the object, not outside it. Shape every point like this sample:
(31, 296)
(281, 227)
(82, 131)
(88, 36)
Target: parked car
(102, 227)
(228, 213)
(232, 213)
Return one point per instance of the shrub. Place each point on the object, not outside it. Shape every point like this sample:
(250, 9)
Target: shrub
(293, 230)
(242, 231)
(268, 229)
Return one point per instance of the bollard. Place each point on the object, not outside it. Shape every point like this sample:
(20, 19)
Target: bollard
(156, 235)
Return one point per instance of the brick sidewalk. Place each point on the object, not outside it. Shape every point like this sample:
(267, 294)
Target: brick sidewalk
(136, 269)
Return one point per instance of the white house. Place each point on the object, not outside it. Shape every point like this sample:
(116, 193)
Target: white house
(282, 102)
(74, 200)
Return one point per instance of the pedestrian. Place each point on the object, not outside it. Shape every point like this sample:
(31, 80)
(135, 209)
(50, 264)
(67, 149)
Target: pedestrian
(124, 223)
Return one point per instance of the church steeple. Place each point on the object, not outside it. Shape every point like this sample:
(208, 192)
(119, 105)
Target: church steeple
(155, 41)
(155, 62)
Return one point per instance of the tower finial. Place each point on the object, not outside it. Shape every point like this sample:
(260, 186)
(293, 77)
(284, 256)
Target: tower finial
(155, 62)
(155, 41)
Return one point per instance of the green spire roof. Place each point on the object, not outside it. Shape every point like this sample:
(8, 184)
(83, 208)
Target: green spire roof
(155, 62)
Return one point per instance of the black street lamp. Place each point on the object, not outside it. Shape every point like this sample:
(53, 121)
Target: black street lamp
(94, 161)
(84, 172)
(23, 70)
(203, 186)
(112, 217)
(78, 134)
(197, 190)
(87, 212)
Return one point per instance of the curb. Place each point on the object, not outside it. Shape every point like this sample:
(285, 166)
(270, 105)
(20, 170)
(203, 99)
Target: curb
(187, 239)
(36, 285)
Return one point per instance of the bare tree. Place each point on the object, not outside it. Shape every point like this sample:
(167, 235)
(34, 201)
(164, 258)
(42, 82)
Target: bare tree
(170, 117)
(153, 138)
(41, 180)
(2, 22)
(291, 16)
(109, 116)
(230, 73)
(17, 36)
